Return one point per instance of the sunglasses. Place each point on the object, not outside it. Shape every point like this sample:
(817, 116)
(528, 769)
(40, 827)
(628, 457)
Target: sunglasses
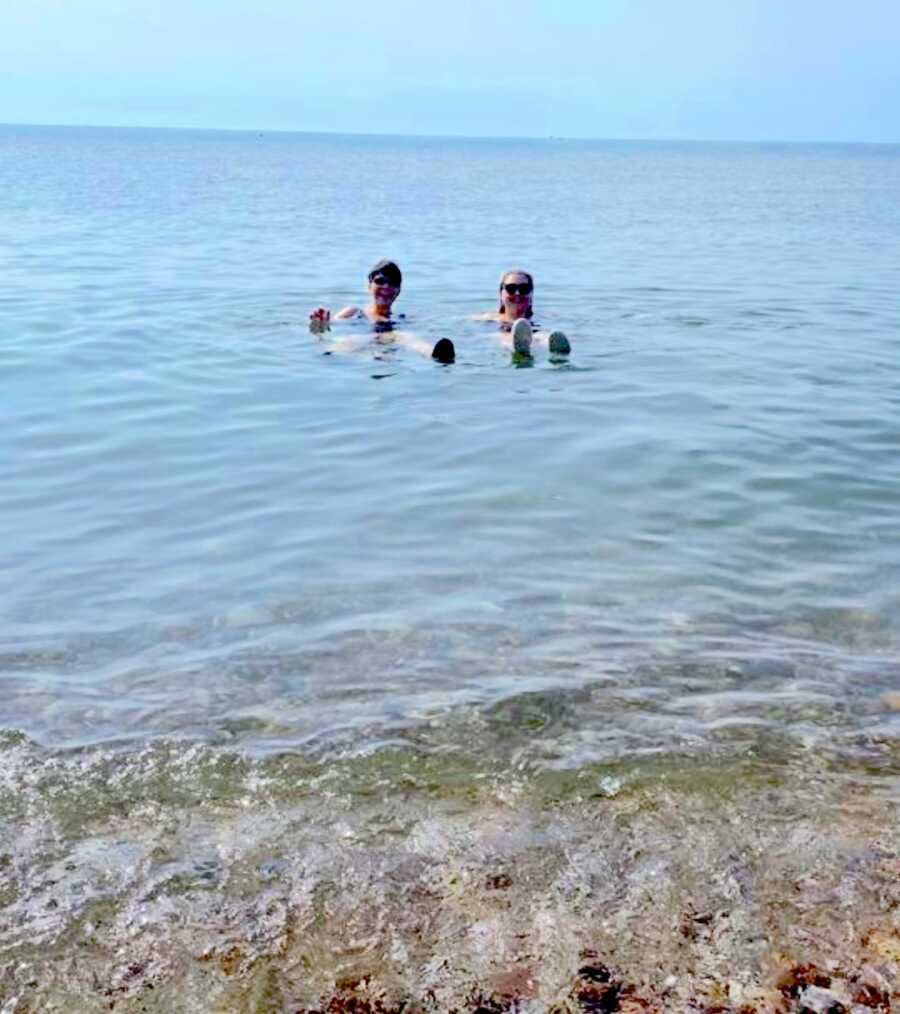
(384, 280)
(523, 288)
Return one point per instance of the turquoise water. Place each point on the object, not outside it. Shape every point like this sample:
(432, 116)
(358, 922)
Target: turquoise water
(233, 546)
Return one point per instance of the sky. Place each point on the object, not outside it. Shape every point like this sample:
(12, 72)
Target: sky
(779, 70)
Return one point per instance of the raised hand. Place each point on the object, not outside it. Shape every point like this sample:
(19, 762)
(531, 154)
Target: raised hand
(320, 320)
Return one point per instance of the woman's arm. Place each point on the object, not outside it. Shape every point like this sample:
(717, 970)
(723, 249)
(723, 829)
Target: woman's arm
(320, 318)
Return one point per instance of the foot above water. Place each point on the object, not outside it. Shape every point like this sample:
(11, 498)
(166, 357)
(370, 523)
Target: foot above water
(521, 336)
(443, 351)
(559, 344)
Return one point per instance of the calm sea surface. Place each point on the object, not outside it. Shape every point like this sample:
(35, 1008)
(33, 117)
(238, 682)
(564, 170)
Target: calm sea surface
(238, 559)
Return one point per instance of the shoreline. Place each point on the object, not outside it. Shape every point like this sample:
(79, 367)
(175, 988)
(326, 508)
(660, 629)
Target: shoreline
(185, 879)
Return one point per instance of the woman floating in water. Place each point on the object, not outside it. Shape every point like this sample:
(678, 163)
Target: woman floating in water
(385, 281)
(515, 313)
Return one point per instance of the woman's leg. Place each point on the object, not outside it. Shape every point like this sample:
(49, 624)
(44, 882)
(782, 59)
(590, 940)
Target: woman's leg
(442, 350)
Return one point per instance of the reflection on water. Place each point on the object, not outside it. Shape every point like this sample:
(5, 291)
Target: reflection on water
(309, 676)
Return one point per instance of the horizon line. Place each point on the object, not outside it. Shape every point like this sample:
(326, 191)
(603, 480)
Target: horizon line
(454, 137)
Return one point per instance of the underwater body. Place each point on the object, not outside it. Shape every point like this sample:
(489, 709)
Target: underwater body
(338, 679)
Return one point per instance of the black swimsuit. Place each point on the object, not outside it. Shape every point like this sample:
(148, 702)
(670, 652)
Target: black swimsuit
(504, 326)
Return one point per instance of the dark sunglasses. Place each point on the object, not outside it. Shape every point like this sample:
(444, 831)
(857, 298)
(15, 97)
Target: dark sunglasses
(384, 280)
(523, 288)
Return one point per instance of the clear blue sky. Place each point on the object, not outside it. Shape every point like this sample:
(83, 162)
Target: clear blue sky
(743, 69)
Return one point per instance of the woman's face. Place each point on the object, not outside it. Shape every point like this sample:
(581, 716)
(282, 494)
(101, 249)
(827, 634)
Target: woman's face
(383, 289)
(516, 293)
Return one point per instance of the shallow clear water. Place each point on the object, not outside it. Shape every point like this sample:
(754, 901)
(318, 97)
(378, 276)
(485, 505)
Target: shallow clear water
(680, 546)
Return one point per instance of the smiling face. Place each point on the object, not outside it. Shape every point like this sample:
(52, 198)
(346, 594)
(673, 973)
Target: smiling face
(384, 290)
(384, 284)
(516, 294)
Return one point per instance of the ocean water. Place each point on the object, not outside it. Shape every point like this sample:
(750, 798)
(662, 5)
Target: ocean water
(332, 675)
